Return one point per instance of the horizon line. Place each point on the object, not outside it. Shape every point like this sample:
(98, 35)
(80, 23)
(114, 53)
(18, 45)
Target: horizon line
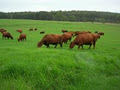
(58, 10)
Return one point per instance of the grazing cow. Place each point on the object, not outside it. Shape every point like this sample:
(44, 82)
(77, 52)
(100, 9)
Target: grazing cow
(6, 35)
(31, 29)
(2, 30)
(84, 39)
(48, 39)
(42, 32)
(35, 29)
(19, 30)
(64, 31)
(22, 37)
(101, 33)
(66, 37)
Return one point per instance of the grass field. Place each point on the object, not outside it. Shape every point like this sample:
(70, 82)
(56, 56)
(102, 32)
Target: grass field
(23, 66)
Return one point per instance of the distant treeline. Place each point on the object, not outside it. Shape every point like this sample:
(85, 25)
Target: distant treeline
(75, 16)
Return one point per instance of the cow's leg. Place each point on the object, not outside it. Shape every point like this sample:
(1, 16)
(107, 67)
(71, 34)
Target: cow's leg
(60, 44)
(70, 40)
(82, 46)
(55, 45)
(24, 39)
(90, 46)
(78, 46)
(47, 45)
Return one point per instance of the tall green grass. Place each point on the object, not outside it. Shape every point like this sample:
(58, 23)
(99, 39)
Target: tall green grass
(23, 66)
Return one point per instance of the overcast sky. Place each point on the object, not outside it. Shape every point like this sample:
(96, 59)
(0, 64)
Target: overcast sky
(48, 5)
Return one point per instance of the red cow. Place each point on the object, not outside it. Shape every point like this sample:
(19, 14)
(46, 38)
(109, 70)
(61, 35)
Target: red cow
(48, 39)
(7, 35)
(22, 37)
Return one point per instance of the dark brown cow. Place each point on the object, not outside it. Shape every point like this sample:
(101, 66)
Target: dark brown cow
(101, 33)
(66, 37)
(42, 32)
(22, 37)
(19, 30)
(84, 39)
(64, 30)
(96, 31)
(48, 39)
(7, 35)
(31, 29)
(35, 29)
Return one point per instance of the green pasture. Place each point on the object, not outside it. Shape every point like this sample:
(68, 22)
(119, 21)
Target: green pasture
(23, 66)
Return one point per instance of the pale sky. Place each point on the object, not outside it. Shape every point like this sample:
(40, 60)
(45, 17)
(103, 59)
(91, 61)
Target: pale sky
(54, 5)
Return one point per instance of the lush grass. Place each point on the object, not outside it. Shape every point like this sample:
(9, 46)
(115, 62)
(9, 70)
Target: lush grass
(23, 66)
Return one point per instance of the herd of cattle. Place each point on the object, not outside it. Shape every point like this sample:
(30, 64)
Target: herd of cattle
(81, 38)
